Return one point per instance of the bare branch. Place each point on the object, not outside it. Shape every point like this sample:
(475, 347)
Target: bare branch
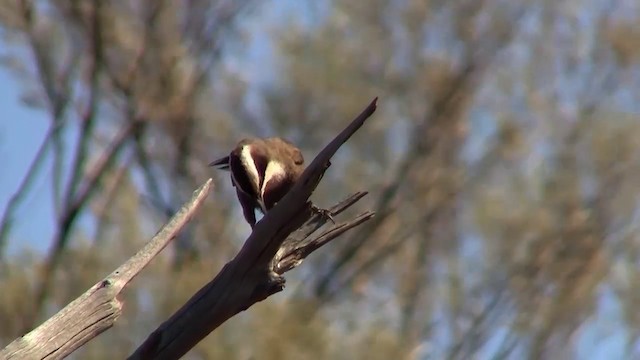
(253, 275)
(300, 244)
(293, 257)
(57, 102)
(102, 206)
(88, 116)
(67, 219)
(98, 308)
(24, 187)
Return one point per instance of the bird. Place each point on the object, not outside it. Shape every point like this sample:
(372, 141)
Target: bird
(262, 170)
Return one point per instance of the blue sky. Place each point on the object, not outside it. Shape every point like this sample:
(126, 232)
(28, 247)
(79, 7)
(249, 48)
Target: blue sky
(21, 133)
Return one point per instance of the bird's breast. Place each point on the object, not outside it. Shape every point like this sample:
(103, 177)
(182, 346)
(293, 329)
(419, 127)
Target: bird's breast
(244, 172)
(277, 182)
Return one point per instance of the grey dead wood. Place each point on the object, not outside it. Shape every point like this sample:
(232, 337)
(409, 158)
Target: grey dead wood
(256, 272)
(98, 308)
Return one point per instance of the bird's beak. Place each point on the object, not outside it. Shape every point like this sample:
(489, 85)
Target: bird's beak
(222, 163)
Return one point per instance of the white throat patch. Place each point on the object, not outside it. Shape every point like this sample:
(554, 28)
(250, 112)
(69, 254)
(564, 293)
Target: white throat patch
(274, 171)
(250, 166)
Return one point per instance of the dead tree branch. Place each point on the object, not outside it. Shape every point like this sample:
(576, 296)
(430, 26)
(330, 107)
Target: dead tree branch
(98, 308)
(71, 213)
(255, 273)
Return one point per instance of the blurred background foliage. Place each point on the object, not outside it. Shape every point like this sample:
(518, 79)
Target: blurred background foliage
(503, 164)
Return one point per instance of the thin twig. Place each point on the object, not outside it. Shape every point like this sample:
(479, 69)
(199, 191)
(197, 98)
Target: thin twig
(57, 103)
(88, 118)
(101, 209)
(24, 188)
(57, 100)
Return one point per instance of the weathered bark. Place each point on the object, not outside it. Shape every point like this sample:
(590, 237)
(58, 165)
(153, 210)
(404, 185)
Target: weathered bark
(98, 308)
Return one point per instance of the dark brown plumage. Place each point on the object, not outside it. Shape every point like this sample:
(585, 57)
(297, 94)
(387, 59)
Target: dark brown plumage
(262, 171)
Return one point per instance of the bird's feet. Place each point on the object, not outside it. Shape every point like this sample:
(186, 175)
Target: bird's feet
(323, 212)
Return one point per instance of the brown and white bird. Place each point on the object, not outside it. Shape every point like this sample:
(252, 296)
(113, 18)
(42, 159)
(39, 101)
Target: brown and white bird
(262, 171)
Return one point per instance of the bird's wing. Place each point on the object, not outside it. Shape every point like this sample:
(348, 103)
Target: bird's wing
(222, 163)
(291, 149)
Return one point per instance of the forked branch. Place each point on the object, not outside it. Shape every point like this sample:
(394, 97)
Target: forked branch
(256, 271)
(253, 275)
